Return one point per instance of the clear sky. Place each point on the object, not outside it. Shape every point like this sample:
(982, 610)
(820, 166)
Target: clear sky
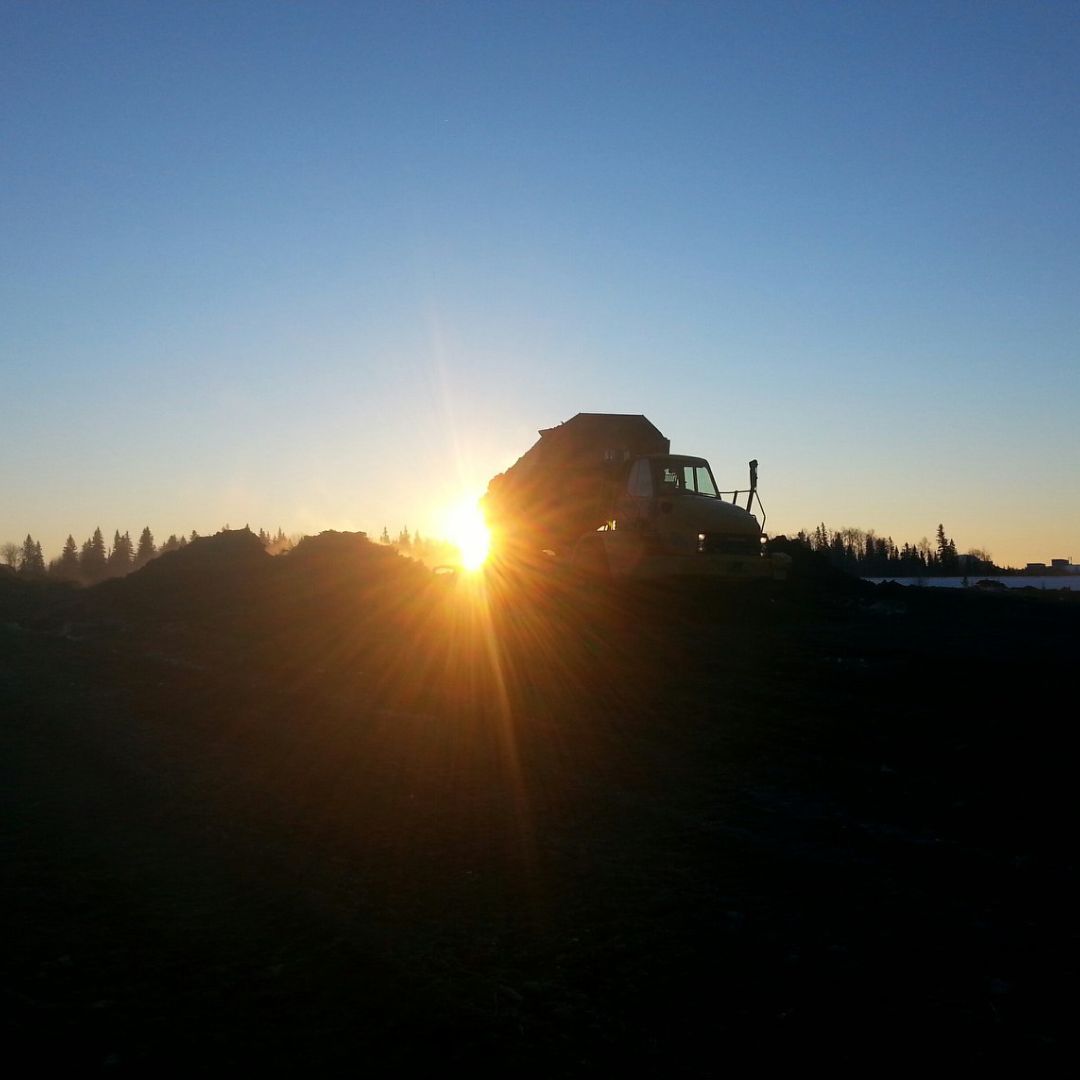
(331, 265)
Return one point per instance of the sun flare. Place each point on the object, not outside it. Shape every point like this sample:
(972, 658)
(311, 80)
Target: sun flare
(467, 529)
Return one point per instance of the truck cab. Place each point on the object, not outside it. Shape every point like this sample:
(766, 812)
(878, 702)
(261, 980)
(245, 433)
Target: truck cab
(671, 518)
(603, 492)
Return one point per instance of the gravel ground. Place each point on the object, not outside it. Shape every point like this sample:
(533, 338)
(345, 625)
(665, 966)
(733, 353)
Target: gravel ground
(333, 812)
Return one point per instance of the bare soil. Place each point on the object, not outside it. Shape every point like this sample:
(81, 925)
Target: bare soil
(328, 811)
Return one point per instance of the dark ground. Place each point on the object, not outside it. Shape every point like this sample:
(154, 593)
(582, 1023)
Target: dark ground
(327, 811)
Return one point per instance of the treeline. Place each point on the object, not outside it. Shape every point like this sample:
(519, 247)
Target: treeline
(866, 555)
(428, 551)
(94, 561)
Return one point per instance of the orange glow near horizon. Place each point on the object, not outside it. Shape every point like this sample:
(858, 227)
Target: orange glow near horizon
(467, 530)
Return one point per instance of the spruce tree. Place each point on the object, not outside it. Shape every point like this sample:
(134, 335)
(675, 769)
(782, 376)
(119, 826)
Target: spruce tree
(948, 561)
(146, 548)
(67, 567)
(26, 555)
(32, 562)
(92, 558)
(119, 561)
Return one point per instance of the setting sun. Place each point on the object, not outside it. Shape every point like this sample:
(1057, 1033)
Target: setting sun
(466, 528)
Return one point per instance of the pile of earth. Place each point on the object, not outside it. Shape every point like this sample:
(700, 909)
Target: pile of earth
(226, 588)
(325, 810)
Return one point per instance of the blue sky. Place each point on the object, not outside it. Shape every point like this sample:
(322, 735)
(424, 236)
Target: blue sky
(332, 265)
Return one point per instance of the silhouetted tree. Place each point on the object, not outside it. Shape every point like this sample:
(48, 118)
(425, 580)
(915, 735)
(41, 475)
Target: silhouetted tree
(172, 544)
(946, 552)
(868, 555)
(66, 567)
(838, 551)
(92, 558)
(9, 554)
(121, 556)
(279, 543)
(31, 561)
(384, 536)
(926, 553)
(146, 550)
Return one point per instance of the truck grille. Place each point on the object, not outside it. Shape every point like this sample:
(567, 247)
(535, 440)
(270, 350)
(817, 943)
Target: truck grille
(719, 544)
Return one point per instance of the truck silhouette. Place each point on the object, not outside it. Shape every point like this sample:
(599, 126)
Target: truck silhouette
(603, 493)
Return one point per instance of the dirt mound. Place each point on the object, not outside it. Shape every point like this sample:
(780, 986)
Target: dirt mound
(230, 552)
(230, 583)
(333, 559)
(212, 574)
(337, 550)
(339, 586)
(22, 599)
(326, 574)
(812, 571)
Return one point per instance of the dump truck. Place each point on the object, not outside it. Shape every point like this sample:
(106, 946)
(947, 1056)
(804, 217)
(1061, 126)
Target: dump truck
(603, 494)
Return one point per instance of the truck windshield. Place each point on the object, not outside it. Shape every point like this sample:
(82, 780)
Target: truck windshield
(693, 478)
(697, 478)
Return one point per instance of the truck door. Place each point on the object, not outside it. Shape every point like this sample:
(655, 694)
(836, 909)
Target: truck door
(635, 505)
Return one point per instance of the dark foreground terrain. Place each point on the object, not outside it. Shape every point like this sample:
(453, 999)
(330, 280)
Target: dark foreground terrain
(327, 811)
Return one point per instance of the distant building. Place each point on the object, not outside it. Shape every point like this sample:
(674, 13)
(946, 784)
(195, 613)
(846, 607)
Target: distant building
(1056, 566)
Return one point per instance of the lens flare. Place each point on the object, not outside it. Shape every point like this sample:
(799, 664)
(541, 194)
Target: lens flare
(467, 529)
